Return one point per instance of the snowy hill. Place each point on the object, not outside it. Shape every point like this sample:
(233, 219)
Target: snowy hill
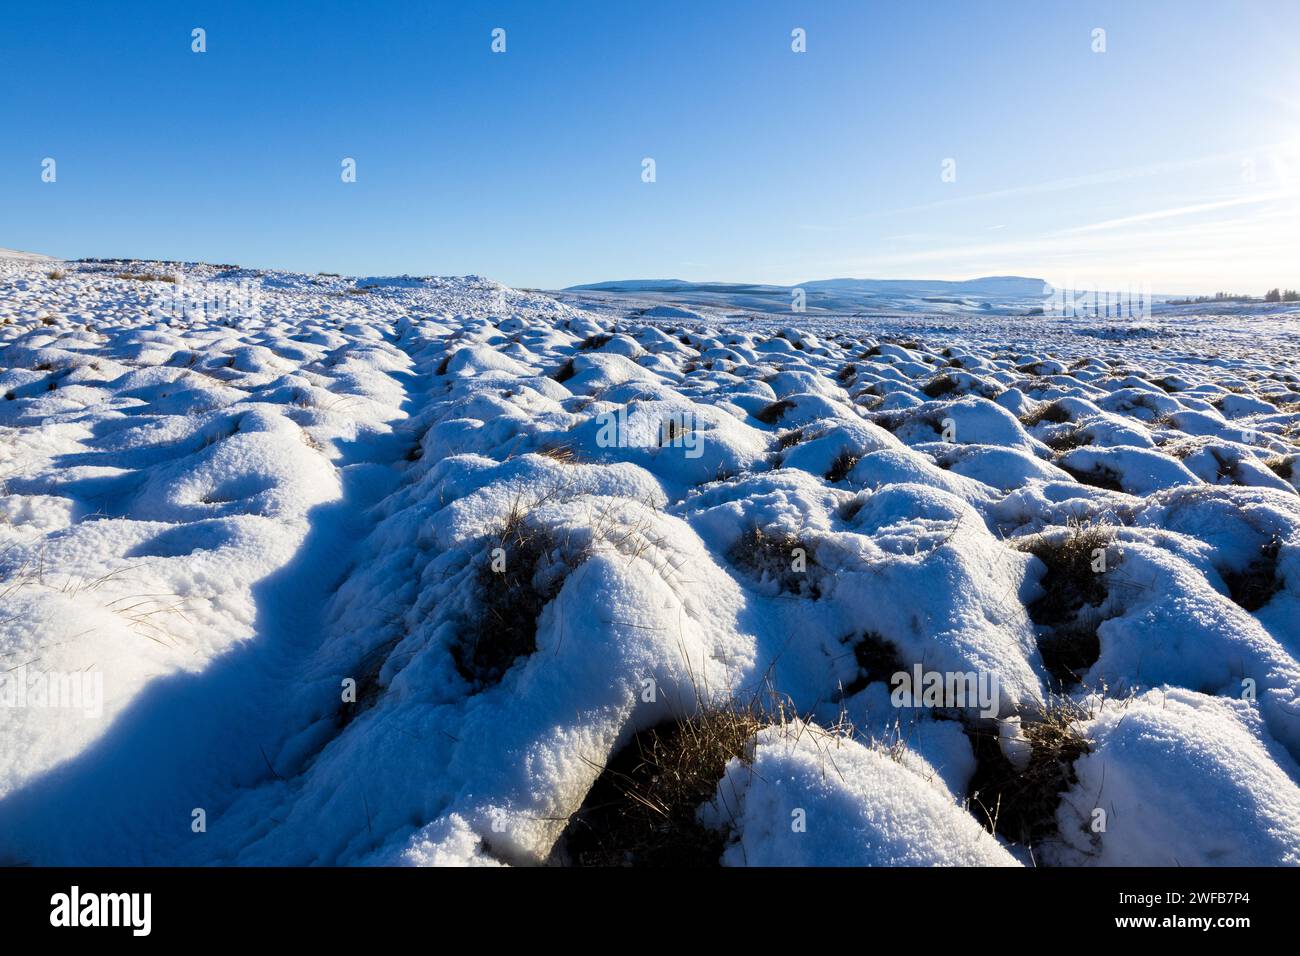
(16, 254)
(324, 570)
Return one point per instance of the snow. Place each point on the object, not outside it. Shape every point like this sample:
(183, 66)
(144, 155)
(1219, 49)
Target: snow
(1242, 809)
(809, 798)
(213, 518)
(16, 254)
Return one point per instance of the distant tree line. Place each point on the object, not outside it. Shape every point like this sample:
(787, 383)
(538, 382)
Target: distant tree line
(1272, 295)
(1278, 295)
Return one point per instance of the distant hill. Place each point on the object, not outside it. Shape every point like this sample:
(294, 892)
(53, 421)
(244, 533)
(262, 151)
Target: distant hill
(16, 254)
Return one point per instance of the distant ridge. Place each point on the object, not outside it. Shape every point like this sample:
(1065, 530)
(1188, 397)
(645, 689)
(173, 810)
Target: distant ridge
(17, 254)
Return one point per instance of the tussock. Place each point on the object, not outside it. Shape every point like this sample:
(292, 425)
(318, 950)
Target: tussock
(1070, 607)
(841, 466)
(1021, 805)
(642, 809)
(512, 600)
(877, 659)
(778, 558)
(1048, 412)
(1254, 586)
(771, 414)
(940, 386)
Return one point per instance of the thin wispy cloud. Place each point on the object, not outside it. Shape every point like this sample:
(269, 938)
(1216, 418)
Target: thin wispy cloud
(1176, 211)
(1101, 178)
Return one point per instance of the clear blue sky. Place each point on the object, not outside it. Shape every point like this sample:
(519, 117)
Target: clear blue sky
(1172, 158)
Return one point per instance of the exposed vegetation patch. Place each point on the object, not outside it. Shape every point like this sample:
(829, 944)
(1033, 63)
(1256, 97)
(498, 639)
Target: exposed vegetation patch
(787, 439)
(849, 510)
(779, 558)
(1020, 805)
(565, 372)
(1067, 439)
(940, 386)
(1049, 412)
(877, 659)
(1255, 585)
(595, 341)
(1100, 477)
(771, 414)
(1074, 590)
(841, 466)
(143, 277)
(561, 453)
(1281, 465)
(524, 569)
(642, 809)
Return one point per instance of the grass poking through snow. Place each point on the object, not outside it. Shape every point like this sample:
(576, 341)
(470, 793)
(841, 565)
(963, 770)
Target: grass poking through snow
(1074, 589)
(642, 809)
(524, 569)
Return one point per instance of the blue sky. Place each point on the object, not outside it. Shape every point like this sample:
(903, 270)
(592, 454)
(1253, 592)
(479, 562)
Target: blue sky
(1172, 158)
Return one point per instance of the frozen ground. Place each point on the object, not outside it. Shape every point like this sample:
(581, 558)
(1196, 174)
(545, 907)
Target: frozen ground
(389, 570)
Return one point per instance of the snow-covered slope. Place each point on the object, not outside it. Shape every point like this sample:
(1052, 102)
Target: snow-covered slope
(17, 254)
(401, 570)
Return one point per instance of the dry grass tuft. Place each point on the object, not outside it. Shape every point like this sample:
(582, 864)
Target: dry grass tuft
(1255, 585)
(561, 453)
(771, 414)
(841, 466)
(1048, 412)
(940, 386)
(514, 584)
(780, 558)
(642, 809)
(1020, 805)
(787, 439)
(565, 372)
(1281, 465)
(143, 277)
(1069, 609)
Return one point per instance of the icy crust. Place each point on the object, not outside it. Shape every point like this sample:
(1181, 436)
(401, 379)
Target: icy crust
(391, 571)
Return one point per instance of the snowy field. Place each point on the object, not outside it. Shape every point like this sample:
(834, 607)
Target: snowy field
(317, 570)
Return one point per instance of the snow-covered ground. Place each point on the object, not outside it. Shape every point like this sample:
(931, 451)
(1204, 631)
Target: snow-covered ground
(315, 570)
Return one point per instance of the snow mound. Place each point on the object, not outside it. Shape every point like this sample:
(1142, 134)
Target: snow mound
(806, 797)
